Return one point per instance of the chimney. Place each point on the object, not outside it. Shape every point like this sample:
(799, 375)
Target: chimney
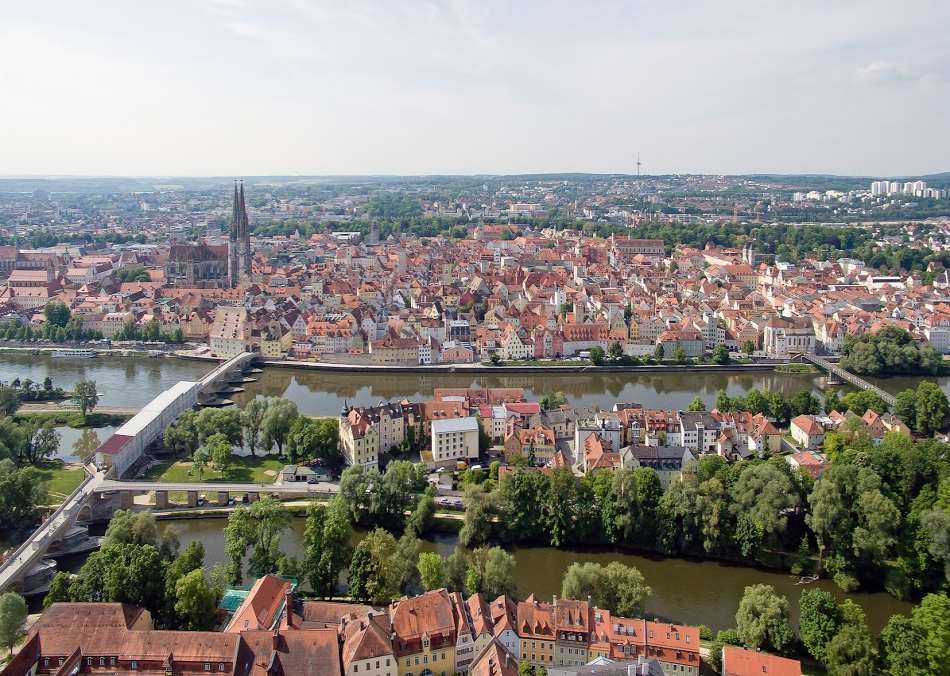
(289, 607)
(275, 639)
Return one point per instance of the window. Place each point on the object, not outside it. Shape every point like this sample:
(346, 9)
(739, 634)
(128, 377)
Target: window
(356, 668)
(207, 666)
(102, 661)
(221, 667)
(135, 665)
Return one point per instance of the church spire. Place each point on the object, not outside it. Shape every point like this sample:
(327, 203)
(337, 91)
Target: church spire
(235, 214)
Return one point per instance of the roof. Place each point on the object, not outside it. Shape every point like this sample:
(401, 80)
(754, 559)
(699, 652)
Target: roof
(494, 660)
(114, 444)
(468, 424)
(741, 662)
(262, 606)
(808, 425)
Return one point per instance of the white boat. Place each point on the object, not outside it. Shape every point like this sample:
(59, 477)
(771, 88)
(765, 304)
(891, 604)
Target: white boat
(74, 353)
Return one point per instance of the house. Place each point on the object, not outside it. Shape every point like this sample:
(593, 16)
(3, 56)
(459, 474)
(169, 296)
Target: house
(494, 659)
(667, 461)
(536, 631)
(230, 333)
(812, 462)
(423, 633)
(454, 440)
(535, 443)
(807, 431)
(741, 662)
(367, 648)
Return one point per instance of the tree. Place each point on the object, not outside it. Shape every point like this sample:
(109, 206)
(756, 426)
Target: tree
(211, 421)
(21, 490)
(931, 408)
(40, 442)
(819, 621)
(905, 407)
(552, 401)
(195, 602)
(659, 352)
(748, 347)
(851, 653)
(762, 498)
(58, 591)
(723, 402)
(182, 437)
(597, 355)
(252, 419)
(832, 401)
(479, 511)
(218, 449)
(135, 528)
(431, 567)
(13, 614)
(192, 558)
(85, 396)
(932, 619)
(720, 355)
(280, 416)
(199, 461)
(862, 400)
(679, 355)
(697, 404)
(615, 351)
(311, 439)
(422, 516)
(375, 571)
(327, 535)
(762, 619)
(901, 642)
(9, 400)
(491, 572)
(57, 314)
(616, 587)
(259, 527)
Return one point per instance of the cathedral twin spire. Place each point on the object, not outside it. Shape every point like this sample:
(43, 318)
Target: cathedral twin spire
(239, 244)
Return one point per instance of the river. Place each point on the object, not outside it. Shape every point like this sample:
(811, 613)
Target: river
(684, 590)
(694, 592)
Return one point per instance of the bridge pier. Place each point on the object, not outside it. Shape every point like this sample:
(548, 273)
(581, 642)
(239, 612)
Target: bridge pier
(253, 497)
(192, 498)
(126, 500)
(161, 499)
(223, 497)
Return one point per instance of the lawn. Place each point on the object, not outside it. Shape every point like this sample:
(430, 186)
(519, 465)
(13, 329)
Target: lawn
(259, 470)
(60, 481)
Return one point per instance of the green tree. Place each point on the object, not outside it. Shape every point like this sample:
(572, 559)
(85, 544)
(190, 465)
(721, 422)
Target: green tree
(597, 355)
(192, 558)
(906, 407)
(422, 516)
(491, 572)
(615, 351)
(819, 621)
(748, 347)
(679, 355)
(195, 602)
(13, 614)
(9, 400)
(762, 619)
(479, 512)
(211, 421)
(832, 401)
(182, 438)
(931, 408)
(327, 536)
(431, 570)
(697, 404)
(219, 449)
(762, 498)
(862, 400)
(57, 314)
(932, 620)
(311, 439)
(616, 587)
(199, 461)
(659, 352)
(85, 396)
(375, 571)
(21, 490)
(720, 355)
(901, 652)
(252, 420)
(279, 418)
(257, 527)
(851, 653)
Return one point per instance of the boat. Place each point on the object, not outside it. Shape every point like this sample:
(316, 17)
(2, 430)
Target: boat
(74, 353)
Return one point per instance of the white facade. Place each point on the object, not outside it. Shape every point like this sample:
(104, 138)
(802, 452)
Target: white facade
(454, 440)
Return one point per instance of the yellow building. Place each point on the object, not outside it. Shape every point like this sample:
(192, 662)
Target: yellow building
(423, 634)
(536, 632)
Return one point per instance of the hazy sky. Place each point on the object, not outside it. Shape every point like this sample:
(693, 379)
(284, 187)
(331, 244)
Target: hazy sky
(246, 87)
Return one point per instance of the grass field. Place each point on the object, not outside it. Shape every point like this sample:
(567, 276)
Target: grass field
(259, 470)
(60, 481)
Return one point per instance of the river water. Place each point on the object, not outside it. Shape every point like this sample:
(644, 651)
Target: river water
(684, 590)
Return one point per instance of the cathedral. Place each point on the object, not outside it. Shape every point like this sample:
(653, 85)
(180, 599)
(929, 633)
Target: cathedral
(200, 265)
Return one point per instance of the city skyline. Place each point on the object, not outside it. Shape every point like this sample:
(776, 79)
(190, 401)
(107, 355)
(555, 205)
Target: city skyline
(225, 87)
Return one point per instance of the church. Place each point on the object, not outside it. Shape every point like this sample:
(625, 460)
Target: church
(199, 265)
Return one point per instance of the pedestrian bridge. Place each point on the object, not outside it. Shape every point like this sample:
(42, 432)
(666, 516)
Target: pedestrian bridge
(849, 377)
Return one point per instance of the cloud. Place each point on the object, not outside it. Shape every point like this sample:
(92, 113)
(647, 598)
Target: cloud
(884, 72)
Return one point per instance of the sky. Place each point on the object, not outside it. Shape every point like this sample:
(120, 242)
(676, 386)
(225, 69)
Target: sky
(317, 87)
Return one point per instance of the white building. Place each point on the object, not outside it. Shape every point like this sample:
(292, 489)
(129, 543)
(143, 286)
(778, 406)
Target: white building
(229, 334)
(454, 440)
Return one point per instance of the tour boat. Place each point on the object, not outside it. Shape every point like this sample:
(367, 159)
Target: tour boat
(74, 353)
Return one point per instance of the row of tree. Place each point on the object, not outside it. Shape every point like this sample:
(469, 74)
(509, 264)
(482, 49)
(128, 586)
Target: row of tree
(837, 636)
(262, 425)
(879, 516)
(140, 566)
(891, 351)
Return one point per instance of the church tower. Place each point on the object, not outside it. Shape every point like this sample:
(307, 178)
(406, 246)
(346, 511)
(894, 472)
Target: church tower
(239, 241)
